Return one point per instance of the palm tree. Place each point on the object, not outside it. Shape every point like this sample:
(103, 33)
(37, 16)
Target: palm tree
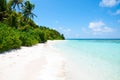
(3, 5)
(3, 8)
(27, 10)
(13, 3)
(13, 19)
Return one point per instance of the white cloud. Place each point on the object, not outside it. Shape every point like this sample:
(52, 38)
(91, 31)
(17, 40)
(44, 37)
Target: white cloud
(118, 21)
(109, 3)
(56, 22)
(85, 30)
(99, 27)
(60, 28)
(65, 30)
(77, 36)
(54, 28)
(117, 12)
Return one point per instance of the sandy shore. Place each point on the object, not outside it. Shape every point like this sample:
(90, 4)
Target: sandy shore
(40, 62)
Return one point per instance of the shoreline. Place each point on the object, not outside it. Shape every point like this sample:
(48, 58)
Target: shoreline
(39, 62)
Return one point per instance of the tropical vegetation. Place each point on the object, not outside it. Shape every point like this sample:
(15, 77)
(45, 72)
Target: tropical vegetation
(17, 27)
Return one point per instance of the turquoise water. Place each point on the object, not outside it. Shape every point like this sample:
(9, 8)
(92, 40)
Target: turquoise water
(91, 59)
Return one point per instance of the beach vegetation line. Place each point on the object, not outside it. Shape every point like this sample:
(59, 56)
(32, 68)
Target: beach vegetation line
(17, 27)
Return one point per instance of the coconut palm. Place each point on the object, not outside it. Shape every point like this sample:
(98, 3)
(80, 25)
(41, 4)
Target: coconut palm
(27, 10)
(3, 5)
(3, 8)
(13, 3)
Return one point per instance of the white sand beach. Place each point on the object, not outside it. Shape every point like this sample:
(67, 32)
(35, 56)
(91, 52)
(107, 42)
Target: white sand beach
(40, 62)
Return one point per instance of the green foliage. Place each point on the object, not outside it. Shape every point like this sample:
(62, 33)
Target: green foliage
(13, 19)
(9, 38)
(13, 3)
(3, 5)
(27, 39)
(51, 34)
(27, 10)
(12, 38)
(40, 35)
(18, 29)
(3, 8)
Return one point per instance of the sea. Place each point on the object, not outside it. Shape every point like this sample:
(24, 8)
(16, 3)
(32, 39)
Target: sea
(91, 59)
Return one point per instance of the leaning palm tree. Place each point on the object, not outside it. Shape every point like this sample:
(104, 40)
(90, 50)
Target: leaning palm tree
(13, 3)
(27, 10)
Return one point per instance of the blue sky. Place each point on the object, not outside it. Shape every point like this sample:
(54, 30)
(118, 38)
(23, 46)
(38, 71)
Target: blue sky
(80, 18)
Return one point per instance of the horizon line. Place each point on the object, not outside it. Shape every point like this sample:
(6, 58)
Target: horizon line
(92, 39)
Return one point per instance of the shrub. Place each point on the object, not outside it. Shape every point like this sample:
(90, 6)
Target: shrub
(41, 35)
(28, 39)
(12, 38)
(9, 38)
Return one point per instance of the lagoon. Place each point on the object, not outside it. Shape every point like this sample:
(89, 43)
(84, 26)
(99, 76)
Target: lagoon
(91, 59)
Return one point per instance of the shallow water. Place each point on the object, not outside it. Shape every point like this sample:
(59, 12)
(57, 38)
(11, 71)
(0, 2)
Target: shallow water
(91, 59)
